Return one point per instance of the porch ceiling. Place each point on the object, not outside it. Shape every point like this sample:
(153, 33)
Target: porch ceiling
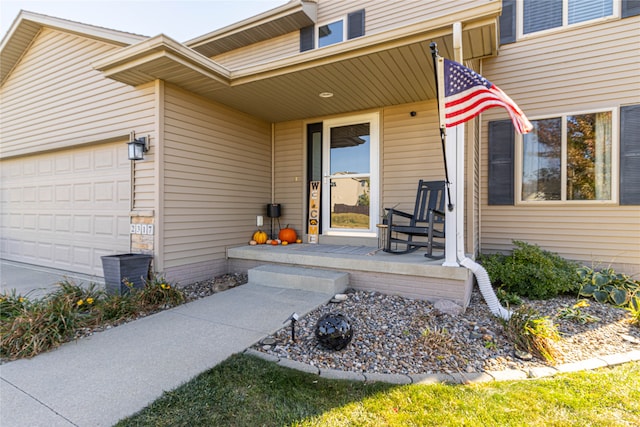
(370, 72)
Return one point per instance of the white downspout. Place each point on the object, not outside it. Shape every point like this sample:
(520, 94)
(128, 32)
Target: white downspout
(482, 277)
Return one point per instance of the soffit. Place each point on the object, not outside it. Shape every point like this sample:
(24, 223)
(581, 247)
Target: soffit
(369, 72)
(28, 24)
(282, 20)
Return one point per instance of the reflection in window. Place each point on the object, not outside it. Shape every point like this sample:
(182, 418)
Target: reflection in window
(585, 172)
(350, 149)
(330, 34)
(589, 157)
(350, 176)
(541, 161)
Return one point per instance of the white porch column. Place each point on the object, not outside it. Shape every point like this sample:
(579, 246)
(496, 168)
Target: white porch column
(454, 223)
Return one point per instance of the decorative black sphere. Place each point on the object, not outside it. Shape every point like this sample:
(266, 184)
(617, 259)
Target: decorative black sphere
(334, 331)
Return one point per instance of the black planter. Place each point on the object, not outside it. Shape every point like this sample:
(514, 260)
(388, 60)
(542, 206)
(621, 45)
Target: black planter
(118, 269)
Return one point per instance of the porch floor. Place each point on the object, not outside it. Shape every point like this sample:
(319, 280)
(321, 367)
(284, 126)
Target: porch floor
(410, 275)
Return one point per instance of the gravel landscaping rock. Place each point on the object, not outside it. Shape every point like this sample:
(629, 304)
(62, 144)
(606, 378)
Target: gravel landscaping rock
(395, 335)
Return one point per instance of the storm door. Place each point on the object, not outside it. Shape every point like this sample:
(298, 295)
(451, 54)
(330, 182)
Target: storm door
(350, 175)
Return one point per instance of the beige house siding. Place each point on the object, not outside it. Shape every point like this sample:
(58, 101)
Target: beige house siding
(268, 50)
(380, 16)
(560, 73)
(53, 99)
(217, 178)
(410, 151)
(290, 175)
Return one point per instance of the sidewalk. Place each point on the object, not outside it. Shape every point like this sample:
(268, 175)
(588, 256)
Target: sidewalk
(36, 281)
(99, 380)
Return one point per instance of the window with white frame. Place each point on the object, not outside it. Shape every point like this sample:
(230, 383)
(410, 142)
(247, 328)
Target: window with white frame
(540, 15)
(331, 33)
(346, 28)
(568, 158)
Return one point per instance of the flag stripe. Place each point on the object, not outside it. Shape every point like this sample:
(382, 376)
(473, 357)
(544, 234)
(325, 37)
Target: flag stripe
(467, 94)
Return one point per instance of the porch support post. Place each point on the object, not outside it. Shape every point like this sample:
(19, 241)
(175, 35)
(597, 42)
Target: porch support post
(454, 224)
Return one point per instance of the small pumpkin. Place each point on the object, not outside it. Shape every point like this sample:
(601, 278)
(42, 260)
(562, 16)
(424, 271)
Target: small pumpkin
(253, 242)
(260, 237)
(298, 240)
(285, 243)
(288, 235)
(274, 242)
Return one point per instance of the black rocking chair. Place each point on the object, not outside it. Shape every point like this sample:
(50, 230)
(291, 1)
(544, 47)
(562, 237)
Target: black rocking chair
(407, 233)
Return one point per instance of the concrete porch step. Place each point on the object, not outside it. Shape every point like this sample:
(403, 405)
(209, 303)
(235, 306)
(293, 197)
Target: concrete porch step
(308, 279)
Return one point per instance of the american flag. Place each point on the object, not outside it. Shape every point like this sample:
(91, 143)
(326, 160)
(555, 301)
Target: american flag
(467, 94)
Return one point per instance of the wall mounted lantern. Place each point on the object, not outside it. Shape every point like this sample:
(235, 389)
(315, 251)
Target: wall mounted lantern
(137, 146)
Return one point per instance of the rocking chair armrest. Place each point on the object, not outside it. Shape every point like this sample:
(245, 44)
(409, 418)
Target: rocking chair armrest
(391, 212)
(437, 212)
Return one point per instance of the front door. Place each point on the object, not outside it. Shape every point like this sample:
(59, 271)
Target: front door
(350, 175)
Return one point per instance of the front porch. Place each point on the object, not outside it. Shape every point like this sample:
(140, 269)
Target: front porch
(369, 268)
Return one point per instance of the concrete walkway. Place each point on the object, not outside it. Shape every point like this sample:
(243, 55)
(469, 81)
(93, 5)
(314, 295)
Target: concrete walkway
(97, 381)
(36, 281)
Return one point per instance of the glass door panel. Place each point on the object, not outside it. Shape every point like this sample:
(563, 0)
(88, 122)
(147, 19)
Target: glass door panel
(350, 179)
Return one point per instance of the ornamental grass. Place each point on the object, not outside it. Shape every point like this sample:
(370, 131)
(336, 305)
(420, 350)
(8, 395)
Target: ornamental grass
(30, 326)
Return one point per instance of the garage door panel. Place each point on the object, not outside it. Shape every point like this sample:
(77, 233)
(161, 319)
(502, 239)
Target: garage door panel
(45, 222)
(82, 224)
(62, 255)
(66, 209)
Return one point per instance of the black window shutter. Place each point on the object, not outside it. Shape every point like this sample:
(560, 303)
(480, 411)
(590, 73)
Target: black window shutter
(508, 22)
(501, 162)
(630, 155)
(630, 8)
(307, 41)
(355, 24)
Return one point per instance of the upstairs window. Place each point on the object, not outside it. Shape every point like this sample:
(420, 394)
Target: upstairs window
(346, 28)
(524, 17)
(540, 15)
(331, 33)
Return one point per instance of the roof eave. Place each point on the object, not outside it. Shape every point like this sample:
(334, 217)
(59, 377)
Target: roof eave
(282, 20)
(135, 64)
(28, 24)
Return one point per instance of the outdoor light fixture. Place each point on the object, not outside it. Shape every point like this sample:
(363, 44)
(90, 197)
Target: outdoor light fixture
(325, 94)
(137, 146)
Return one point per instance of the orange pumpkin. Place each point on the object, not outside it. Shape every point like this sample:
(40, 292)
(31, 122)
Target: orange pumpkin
(260, 237)
(288, 235)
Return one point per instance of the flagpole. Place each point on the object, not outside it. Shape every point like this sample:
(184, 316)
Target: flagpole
(434, 54)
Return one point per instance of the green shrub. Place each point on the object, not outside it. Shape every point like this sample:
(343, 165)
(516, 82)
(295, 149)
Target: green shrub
(532, 272)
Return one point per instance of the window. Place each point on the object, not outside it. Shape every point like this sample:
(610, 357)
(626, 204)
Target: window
(347, 28)
(587, 169)
(539, 15)
(568, 158)
(330, 34)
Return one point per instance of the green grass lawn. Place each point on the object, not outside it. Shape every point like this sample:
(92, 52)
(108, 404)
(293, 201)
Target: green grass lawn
(247, 391)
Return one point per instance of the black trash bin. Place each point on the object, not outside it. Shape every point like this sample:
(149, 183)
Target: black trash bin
(132, 268)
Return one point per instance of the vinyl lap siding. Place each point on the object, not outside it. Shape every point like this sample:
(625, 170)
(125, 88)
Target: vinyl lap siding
(216, 179)
(268, 50)
(380, 15)
(410, 151)
(53, 99)
(561, 73)
(289, 177)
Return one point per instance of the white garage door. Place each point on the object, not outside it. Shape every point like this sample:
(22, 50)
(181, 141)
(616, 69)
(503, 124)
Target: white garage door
(66, 209)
